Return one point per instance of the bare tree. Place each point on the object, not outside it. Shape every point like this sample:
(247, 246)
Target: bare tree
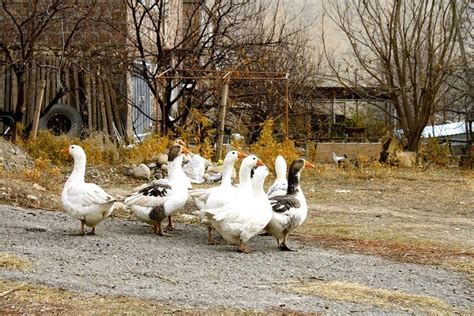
(27, 27)
(408, 48)
(168, 37)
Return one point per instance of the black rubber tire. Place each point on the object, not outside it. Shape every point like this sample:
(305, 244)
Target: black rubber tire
(62, 119)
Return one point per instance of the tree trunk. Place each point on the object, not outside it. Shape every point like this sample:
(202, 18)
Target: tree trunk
(19, 110)
(413, 141)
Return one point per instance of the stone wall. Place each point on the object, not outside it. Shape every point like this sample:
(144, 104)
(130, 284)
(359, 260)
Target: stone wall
(352, 150)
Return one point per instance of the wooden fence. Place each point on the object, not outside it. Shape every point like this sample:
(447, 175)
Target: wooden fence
(90, 92)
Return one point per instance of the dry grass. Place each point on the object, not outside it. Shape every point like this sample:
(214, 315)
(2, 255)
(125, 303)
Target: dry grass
(358, 293)
(40, 299)
(97, 145)
(146, 150)
(391, 241)
(408, 215)
(12, 262)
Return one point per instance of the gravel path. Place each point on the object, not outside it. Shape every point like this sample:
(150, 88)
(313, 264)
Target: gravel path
(126, 258)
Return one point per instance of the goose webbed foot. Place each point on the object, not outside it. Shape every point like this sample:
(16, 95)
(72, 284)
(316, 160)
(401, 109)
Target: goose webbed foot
(284, 247)
(92, 232)
(210, 240)
(82, 233)
(170, 224)
(243, 248)
(161, 233)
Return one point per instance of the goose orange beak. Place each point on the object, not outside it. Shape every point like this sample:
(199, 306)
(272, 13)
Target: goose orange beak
(308, 164)
(260, 163)
(241, 155)
(66, 150)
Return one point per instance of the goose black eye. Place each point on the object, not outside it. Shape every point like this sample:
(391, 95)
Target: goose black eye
(254, 158)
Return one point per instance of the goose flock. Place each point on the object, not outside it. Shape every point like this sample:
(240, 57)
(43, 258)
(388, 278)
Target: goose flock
(237, 212)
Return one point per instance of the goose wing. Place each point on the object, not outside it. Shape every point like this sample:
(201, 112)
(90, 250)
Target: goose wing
(150, 196)
(284, 203)
(88, 194)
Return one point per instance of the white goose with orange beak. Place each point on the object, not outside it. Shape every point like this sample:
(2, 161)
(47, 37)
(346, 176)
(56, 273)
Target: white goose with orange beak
(219, 195)
(153, 203)
(248, 212)
(86, 202)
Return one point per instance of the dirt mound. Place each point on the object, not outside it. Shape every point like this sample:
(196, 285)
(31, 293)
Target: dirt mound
(13, 158)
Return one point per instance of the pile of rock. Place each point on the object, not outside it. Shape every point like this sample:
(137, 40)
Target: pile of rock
(13, 158)
(156, 169)
(197, 168)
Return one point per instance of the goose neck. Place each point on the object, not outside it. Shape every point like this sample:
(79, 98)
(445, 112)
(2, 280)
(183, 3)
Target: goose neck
(175, 169)
(79, 171)
(227, 173)
(293, 183)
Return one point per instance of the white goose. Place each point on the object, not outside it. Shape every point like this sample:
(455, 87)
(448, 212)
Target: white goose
(153, 203)
(86, 202)
(280, 185)
(244, 188)
(289, 210)
(219, 195)
(240, 220)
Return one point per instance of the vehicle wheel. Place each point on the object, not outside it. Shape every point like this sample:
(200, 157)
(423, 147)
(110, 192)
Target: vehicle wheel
(62, 119)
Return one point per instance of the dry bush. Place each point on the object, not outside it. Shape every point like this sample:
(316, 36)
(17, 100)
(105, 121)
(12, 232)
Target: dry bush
(200, 133)
(146, 150)
(267, 148)
(44, 173)
(434, 153)
(99, 148)
(48, 147)
(205, 149)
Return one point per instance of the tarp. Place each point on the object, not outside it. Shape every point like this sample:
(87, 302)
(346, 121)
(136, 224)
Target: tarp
(444, 129)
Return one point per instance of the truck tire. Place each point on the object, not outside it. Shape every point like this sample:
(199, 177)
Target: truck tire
(62, 119)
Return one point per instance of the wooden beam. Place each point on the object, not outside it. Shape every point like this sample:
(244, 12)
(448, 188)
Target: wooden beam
(38, 104)
(222, 115)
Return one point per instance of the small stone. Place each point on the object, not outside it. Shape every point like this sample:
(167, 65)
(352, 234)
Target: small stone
(39, 187)
(162, 159)
(158, 176)
(31, 197)
(164, 167)
(141, 172)
(151, 165)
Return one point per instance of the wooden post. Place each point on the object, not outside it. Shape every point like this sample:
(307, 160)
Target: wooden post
(3, 75)
(38, 103)
(287, 103)
(75, 88)
(88, 93)
(163, 109)
(222, 114)
(108, 108)
(101, 103)
(94, 114)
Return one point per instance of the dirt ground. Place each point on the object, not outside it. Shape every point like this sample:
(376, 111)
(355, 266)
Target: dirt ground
(396, 240)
